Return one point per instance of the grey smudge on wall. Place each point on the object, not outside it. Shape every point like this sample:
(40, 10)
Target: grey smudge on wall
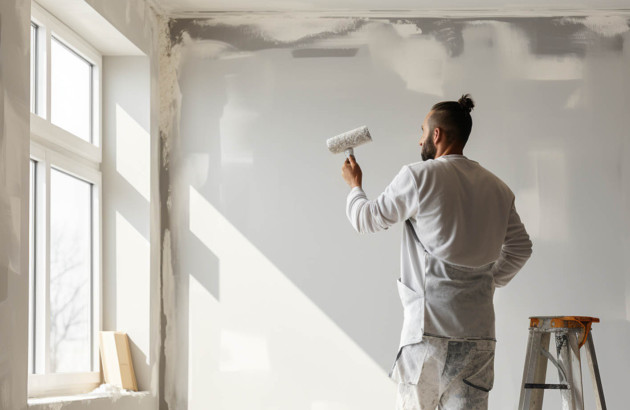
(324, 52)
(547, 35)
(561, 36)
(446, 31)
(252, 35)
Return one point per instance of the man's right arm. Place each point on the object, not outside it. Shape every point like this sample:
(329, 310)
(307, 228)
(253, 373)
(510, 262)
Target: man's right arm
(516, 250)
(398, 202)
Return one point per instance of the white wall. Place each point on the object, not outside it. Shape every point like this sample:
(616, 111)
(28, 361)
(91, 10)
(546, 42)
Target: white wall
(278, 303)
(14, 196)
(126, 217)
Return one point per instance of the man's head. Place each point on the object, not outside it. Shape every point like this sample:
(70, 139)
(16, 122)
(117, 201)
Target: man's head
(446, 128)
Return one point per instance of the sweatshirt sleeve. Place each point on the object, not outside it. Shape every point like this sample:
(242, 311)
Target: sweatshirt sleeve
(516, 250)
(397, 203)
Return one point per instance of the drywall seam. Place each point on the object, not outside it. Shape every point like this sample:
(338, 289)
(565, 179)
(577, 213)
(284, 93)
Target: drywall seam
(170, 98)
(167, 371)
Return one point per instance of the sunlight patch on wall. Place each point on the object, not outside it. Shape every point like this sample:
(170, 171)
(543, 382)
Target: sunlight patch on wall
(243, 352)
(133, 152)
(132, 277)
(268, 335)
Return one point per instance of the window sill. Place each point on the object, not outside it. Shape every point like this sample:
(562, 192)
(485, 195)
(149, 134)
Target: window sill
(106, 394)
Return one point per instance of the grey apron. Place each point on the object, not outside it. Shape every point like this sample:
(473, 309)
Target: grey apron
(448, 300)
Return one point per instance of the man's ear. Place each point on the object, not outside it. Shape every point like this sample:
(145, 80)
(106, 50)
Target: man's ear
(438, 135)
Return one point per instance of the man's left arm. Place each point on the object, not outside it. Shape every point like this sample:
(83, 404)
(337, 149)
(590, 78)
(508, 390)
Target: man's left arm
(397, 203)
(516, 250)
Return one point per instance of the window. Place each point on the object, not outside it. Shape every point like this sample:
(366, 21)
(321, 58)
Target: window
(70, 273)
(65, 213)
(70, 90)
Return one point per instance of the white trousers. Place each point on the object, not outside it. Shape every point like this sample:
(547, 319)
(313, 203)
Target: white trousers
(445, 373)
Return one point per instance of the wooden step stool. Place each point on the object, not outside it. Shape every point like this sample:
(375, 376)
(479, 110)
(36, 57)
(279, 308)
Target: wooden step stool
(570, 334)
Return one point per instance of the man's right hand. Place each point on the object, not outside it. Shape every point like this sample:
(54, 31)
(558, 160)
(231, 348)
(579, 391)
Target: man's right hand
(351, 172)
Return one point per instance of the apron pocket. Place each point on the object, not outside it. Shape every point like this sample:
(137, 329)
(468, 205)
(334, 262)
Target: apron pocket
(409, 363)
(413, 311)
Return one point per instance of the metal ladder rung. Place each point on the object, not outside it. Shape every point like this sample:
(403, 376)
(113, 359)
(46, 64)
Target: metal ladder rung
(546, 386)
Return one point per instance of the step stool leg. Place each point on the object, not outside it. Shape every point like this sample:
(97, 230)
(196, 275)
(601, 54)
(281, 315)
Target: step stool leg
(535, 371)
(569, 358)
(594, 369)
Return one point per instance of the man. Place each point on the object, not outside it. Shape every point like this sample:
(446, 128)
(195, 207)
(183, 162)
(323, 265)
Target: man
(462, 238)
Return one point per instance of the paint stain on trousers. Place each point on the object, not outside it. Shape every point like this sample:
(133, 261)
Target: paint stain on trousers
(446, 374)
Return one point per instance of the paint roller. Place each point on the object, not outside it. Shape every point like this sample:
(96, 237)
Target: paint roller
(348, 140)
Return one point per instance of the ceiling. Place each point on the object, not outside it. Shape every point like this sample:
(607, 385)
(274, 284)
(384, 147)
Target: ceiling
(529, 7)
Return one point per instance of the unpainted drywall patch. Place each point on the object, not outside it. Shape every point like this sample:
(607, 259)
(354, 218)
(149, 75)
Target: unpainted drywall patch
(607, 26)
(170, 101)
(169, 313)
(547, 35)
(446, 31)
(255, 32)
(251, 32)
(324, 52)
(170, 95)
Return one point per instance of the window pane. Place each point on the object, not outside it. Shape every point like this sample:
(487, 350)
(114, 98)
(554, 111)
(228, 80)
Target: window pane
(71, 91)
(70, 273)
(33, 68)
(31, 273)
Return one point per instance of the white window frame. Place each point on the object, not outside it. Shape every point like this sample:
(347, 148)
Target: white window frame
(42, 129)
(54, 147)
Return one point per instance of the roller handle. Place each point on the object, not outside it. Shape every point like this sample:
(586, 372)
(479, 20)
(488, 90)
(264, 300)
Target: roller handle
(348, 152)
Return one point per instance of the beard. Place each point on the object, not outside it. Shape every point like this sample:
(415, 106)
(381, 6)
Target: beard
(428, 149)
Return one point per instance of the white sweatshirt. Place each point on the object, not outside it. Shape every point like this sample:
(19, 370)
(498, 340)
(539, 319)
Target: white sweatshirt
(464, 217)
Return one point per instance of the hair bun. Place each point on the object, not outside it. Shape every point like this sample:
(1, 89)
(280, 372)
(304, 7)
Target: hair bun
(466, 102)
